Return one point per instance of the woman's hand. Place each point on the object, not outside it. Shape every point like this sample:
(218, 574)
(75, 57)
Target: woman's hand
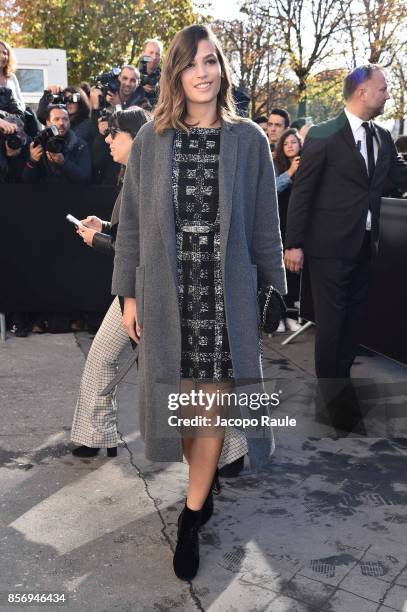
(130, 322)
(295, 162)
(93, 222)
(86, 233)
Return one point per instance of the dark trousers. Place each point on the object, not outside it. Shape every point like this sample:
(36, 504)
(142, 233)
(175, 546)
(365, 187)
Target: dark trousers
(339, 290)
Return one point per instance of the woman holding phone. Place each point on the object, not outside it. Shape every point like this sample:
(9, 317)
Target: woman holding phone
(95, 420)
(198, 227)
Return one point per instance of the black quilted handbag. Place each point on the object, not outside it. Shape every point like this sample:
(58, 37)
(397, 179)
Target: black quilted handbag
(272, 309)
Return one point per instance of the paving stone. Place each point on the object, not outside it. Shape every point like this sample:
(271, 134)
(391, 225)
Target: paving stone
(343, 601)
(287, 604)
(397, 598)
(311, 592)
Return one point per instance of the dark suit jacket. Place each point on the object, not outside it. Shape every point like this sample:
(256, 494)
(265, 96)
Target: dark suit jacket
(332, 193)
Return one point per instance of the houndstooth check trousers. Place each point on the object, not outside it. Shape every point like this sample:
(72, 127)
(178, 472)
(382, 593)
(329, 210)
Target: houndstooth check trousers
(95, 419)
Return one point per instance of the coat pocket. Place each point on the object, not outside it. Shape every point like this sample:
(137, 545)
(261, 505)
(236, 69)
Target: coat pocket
(140, 294)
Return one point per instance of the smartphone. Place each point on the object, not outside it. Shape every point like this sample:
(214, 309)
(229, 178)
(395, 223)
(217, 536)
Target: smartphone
(74, 220)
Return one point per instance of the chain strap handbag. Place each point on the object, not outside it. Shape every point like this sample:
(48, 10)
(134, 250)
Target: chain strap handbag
(272, 308)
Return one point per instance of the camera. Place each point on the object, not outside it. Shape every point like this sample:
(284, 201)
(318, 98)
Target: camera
(50, 140)
(145, 78)
(14, 141)
(107, 82)
(61, 98)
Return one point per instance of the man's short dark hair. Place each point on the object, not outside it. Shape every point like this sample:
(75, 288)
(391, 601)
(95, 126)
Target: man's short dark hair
(401, 143)
(51, 107)
(262, 119)
(283, 113)
(359, 75)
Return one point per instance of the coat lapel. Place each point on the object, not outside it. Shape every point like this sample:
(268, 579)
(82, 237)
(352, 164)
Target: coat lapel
(227, 169)
(163, 196)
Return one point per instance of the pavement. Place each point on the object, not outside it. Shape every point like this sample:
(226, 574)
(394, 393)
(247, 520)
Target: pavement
(323, 528)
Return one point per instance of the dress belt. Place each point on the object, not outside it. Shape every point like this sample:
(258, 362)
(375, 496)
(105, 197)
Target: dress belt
(197, 229)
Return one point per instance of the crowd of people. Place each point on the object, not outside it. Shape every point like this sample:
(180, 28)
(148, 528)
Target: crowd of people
(64, 141)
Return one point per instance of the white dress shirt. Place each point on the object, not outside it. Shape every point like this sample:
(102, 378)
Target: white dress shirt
(359, 134)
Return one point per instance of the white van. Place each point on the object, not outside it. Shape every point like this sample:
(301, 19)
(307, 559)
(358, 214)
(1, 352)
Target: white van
(39, 68)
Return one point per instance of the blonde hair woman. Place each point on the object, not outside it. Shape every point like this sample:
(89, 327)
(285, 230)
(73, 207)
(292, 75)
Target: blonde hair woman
(8, 66)
(198, 224)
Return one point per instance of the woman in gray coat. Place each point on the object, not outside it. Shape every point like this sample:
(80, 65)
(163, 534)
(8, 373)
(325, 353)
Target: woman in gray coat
(198, 228)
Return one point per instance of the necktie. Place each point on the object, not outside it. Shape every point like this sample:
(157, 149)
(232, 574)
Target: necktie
(369, 148)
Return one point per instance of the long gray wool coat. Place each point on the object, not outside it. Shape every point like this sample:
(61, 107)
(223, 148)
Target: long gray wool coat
(146, 268)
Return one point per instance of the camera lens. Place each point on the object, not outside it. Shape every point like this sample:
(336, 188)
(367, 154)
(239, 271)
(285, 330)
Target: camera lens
(55, 144)
(14, 141)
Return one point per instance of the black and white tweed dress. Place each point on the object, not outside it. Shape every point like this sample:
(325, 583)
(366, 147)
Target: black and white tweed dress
(204, 343)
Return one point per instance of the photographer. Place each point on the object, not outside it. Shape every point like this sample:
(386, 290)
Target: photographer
(150, 72)
(112, 89)
(57, 154)
(14, 148)
(77, 104)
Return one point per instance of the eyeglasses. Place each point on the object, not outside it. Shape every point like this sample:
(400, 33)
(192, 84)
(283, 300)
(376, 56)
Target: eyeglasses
(112, 132)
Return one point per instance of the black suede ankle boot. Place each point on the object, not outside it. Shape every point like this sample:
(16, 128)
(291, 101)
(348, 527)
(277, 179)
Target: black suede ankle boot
(186, 557)
(207, 509)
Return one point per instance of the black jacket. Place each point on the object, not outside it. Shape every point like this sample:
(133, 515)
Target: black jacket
(11, 168)
(9, 104)
(332, 194)
(104, 170)
(75, 169)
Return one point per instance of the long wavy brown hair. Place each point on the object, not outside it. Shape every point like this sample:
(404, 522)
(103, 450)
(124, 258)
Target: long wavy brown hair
(171, 107)
(281, 161)
(11, 67)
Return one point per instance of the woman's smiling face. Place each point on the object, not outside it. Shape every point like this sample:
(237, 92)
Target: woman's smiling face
(201, 79)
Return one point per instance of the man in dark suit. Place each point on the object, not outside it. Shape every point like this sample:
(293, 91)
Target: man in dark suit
(334, 213)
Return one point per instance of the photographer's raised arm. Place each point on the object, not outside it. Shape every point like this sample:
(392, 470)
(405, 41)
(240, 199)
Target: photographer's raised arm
(32, 169)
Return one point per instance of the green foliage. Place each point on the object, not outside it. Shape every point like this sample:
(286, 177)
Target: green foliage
(324, 94)
(98, 35)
